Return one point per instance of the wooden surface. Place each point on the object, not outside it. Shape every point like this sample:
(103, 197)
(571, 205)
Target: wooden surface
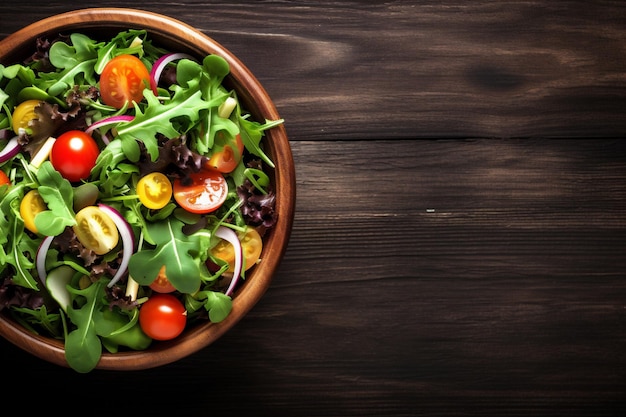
(460, 235)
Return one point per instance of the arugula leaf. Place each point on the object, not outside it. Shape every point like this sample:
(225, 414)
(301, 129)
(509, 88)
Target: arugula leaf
(3, 97)
(21, 244)
(121, 328)
(18, 249)
(215, 123)
(173, 249)
(12, 80)
(40, 317)
(59, 83)
(36, 93)
(76, 58)
(208, 78)
(112, 171)
(58, 194)
(83, 348)
(16, 71)
(218, 304)
(134, 216)
(132, 41)
(157, 118)
(252, 133)
(82, 48)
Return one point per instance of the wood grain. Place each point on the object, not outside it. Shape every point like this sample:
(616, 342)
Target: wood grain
(350, 69)
(460, 229)
(408, 289)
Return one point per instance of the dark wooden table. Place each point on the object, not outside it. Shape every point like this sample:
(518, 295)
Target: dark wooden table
(460, 236)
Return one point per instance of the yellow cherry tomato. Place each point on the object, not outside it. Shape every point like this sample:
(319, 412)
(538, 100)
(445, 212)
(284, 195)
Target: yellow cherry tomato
(96, 230)
(154, 190)
(31, 205)
(251, 244)
(23, 114)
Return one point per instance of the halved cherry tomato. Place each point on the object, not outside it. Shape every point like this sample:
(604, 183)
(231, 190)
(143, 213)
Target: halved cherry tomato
(251, 244)
(123, 80)
(201, 192)
(162, 317)
(23, 114)
(31, 205)
(74, 154)
(154, 190)
(96, 230)
(4, 178)
(226, 153)
(161, 283)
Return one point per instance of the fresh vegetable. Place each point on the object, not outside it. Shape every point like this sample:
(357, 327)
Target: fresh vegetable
(96, 230)
(201, 192)
(57, 281)
(181, 254)
(159, 66)
(11, 149)
(162, 317)
(108, 121)
(23, 114)
(4, 179)
(43, 153)
(85, 195)
(231, 237)
(41, 254)
(32, 204)
(227, 152)
(74, 155)
(128, 240)
(123, 80)
(104, 236)
(161, 283)
(118, 330)
(251, 247)
(154, 190)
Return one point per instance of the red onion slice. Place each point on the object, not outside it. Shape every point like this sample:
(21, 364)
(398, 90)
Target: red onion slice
(128, 240)
(40, 260)
(9, 151)
(231, 237)
(108, 121)
(159, 66)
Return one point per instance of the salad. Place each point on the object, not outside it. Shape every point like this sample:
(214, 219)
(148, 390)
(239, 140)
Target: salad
(131, 179)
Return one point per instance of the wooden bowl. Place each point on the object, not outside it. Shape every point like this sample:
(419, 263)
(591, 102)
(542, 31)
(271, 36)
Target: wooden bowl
(177, 36)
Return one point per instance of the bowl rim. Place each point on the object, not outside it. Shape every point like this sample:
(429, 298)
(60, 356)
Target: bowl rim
(250, 91)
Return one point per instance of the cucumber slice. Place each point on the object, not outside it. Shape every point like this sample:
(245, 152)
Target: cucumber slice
(56, 283)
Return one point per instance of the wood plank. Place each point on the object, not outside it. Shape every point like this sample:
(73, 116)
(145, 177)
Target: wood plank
(506, 299)
(362, 70)
(423, 277)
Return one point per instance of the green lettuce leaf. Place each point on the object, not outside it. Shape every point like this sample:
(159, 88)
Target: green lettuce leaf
(175, 250)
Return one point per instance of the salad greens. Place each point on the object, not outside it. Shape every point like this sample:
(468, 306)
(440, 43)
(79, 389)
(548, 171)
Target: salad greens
(172, 130)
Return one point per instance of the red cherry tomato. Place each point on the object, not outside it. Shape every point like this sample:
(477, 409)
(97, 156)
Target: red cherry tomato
(162, 317)
(202, 192)
(123, 80)
(4, 179)
(161, 283)
(227, 152)
(74, 154)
